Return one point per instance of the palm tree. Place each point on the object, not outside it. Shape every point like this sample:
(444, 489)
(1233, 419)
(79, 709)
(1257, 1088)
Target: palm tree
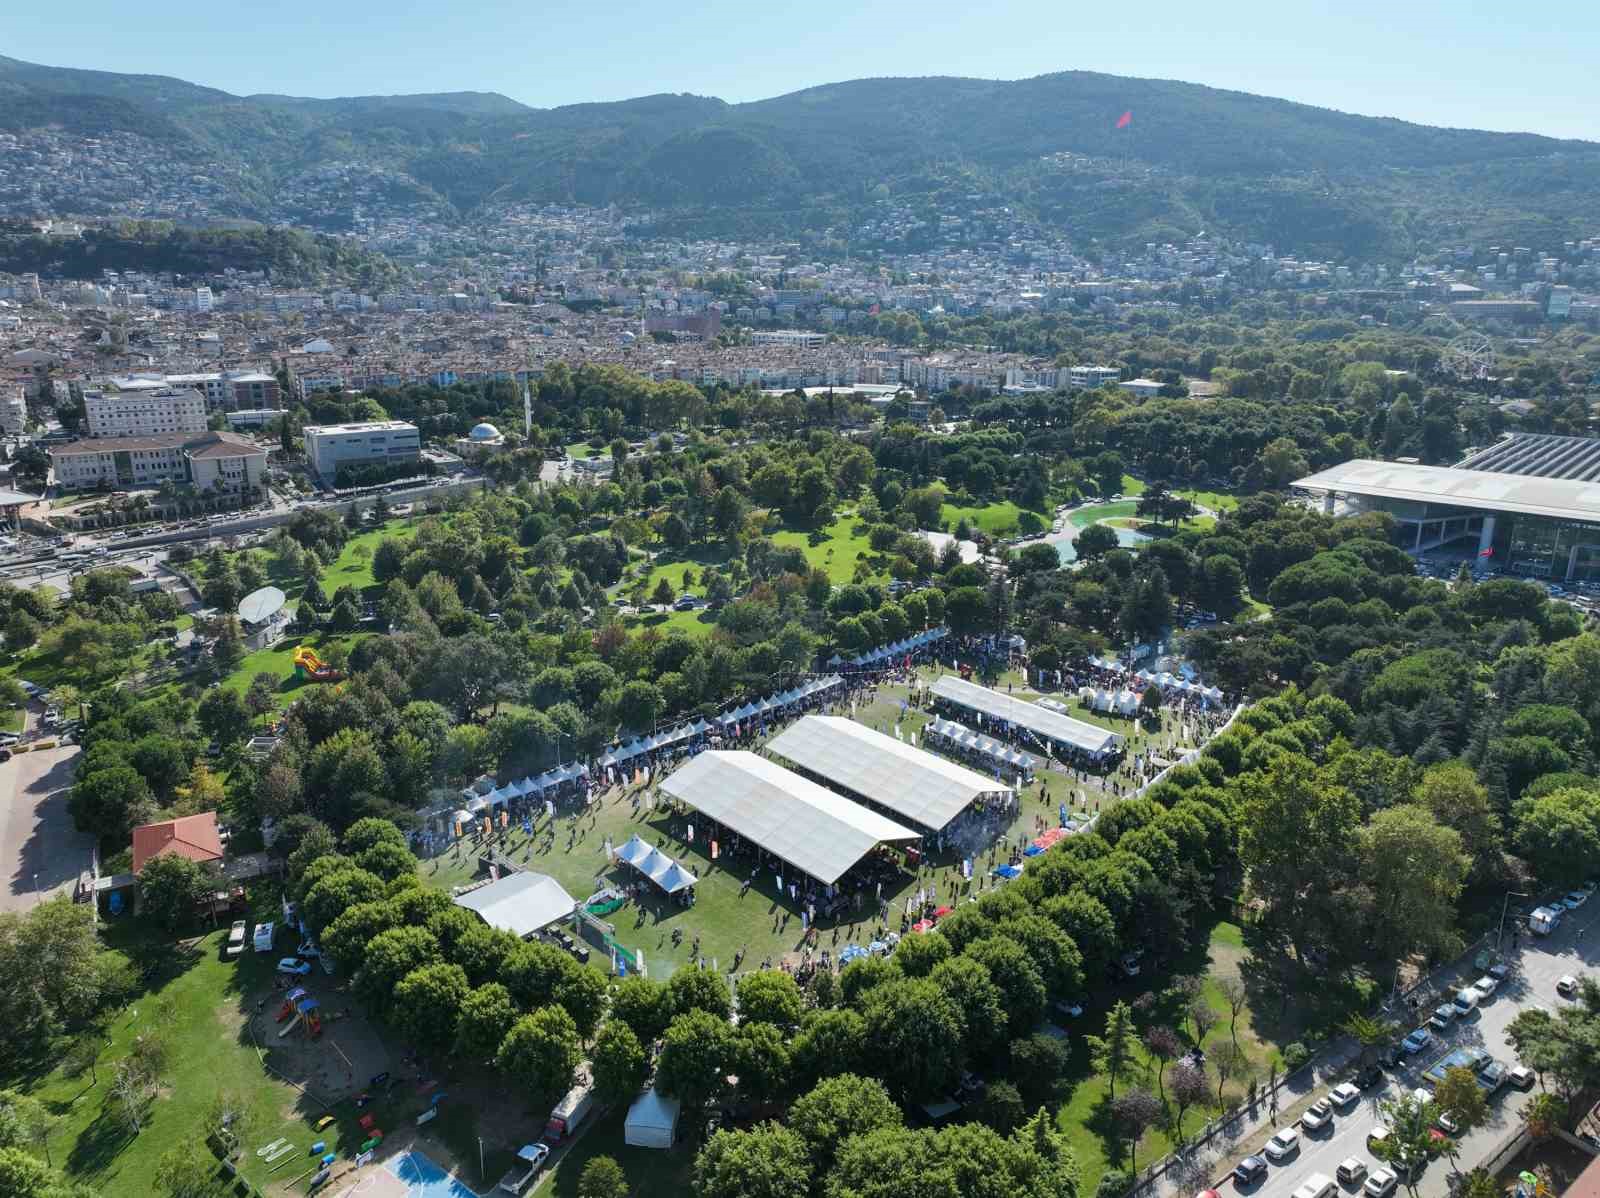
(1543, 1115)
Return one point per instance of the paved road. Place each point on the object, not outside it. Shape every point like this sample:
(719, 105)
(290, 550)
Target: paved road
(40, 851)
(1538, 964)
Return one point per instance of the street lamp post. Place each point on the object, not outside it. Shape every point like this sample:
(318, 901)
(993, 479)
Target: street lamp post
(1504, 907)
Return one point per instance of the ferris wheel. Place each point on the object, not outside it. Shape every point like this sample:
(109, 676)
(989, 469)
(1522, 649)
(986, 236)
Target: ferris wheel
(1469, 357)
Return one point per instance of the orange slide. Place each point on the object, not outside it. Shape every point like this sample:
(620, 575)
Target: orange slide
(308, 665)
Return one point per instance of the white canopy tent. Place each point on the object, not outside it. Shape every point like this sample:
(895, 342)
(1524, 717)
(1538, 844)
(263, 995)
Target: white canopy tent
(1049, 726)
(908, 781)
(816, 831)
(652, 1121)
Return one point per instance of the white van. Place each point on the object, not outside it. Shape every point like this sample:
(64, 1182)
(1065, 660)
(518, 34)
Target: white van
(1318, 1185)
(1544, 920)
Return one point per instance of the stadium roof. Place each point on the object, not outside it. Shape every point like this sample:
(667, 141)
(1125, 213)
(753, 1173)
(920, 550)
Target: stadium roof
(813, 829)
(907, 780)
(1452, 486)
(1540, 455)
(1041, 721)
(520, 903)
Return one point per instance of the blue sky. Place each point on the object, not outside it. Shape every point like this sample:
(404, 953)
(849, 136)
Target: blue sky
(1443, 62)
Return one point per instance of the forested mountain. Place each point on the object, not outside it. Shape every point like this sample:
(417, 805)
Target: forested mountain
(1305, 178)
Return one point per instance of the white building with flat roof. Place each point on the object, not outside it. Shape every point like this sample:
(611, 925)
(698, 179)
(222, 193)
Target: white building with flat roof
(331, 448)
(13, 411)
(144, 413)
(209, 461)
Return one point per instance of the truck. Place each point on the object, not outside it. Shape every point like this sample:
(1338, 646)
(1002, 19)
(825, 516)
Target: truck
(530, 1159)
(570, 1112)
(1544, 920)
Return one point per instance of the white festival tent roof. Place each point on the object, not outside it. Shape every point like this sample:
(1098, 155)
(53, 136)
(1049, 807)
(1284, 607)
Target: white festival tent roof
(816, 831)
(1039, 720)
(908, 781)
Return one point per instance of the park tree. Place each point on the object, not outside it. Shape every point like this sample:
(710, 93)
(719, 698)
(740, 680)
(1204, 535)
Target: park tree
(1136, 1111)
(181, 1172)
(770, 996)
(1559, 834)
(109, 803)
(1187, 1087)
(1416, 867)
(917, 1032)
(767, 1161)
(837, 1108)
(337, 891)
(698, 990)
(223, 716)
(643, 1005)
(762, 1060)
(390, 956)
(830, 1041)
(1113, 1053)
(486, 1016)
(1459, 1096)
(1296, 832)
(1162, 1044)
(1095, 542)
(170, 885)
(621, 1063)
(541, 1054)
(602, 1177)
(1022, 990)
(1410, 1139)
(427, 1005)
(697, 1054)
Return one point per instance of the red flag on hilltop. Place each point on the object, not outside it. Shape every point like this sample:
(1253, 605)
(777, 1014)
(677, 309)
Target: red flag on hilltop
(1125, 119)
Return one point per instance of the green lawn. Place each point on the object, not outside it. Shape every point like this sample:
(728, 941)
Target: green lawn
(353, 566)
(837, 549)
(11, 720)
(695, 623)
(993, 518)
(1086, 516)
(1215, 500)
(1131, 485)
(279, 662)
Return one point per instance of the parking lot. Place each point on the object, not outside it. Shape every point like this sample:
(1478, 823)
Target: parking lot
(41, 853)
(1536, 968)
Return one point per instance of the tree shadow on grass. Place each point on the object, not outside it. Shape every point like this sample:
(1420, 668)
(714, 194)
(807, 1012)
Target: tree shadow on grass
(99, 1143)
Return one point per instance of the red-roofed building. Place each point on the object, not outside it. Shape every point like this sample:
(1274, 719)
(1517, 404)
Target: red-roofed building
(194, 836)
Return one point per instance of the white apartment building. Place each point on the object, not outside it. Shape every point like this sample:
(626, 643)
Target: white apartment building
(13, 412)
(379, 442)
(144, 413)
(789, 338)
(1092, 376)
(225, 390)
(204, 301)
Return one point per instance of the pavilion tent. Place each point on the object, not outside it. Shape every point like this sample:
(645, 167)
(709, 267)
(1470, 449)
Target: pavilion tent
(675, 878)
(1127, 702)
(634, 851)
(816, 831)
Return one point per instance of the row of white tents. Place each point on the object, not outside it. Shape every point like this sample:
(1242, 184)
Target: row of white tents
(1123, 702)
(649, 744)
(894, 652)
(474, 800)
(780, 703)
(1169, 682)
(994, 751)
(655, 865)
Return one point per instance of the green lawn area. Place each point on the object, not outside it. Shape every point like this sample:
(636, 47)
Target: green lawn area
(695, 623)
(279, 662)
(1086, 516)
(201, 1005)
(836, 551)
(672, 566)
(993, 518)
(1131, 485)
(353, 566)
(11, 719)
(1215, 500)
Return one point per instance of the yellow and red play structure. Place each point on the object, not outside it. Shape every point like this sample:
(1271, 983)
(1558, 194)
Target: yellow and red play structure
(309, 666)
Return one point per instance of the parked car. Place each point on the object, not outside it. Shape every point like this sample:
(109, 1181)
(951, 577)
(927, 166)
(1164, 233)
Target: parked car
(1249, 1171)
(1371, 1076)
(1318, 1185)
(1567, 985)
(1417, 1041)
(1070, 1008)
(1466, 1002)
(1443, 1016)
(1500, 971)
(236, 938)
(1486, 987)
(1378, 1135)
(1344, 1094)
(1575, 899)
(1352, 1171)
(1380, 1183)
(307, 949)
(294, 965)
(1318, 1115)
(1520, 1076)
(1283, 1145)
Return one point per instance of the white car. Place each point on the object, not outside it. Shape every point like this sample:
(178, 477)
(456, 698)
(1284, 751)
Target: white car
(1283, 1145)
(1381, 1183)
(1318, 1115)
(1567, 985)
(1345, 1094)
(1486, 986)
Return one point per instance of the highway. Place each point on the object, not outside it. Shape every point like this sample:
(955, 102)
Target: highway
(1536, 967)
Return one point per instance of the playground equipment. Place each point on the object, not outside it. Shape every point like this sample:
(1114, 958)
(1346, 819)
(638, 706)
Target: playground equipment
(308, 666)
(289, 1001)
(305, 1011)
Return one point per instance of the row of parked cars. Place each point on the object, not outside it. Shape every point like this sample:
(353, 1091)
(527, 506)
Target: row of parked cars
(1381, 1180)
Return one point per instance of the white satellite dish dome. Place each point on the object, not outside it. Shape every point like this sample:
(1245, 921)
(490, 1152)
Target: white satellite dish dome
(484, 432)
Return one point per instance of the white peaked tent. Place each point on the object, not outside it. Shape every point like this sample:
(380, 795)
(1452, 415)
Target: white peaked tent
(1086, 693)
(1127, 702)
(652, 1121)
